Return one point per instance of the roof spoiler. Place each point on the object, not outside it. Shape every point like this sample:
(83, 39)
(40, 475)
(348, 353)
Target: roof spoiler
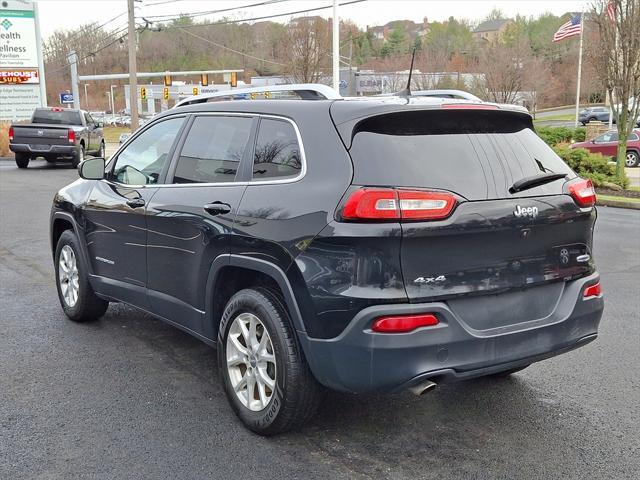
(306, 91)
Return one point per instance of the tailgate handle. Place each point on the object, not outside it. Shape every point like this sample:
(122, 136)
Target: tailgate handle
(217, 208)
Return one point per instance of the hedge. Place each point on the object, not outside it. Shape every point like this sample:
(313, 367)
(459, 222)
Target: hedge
(555, 135)
(591, 165)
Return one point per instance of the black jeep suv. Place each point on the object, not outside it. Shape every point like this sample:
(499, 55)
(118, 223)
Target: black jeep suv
(360, 245)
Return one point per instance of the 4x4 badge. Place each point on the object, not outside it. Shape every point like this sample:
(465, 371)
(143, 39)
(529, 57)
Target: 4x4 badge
(423, 280)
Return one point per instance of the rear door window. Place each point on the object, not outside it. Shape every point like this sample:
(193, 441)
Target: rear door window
(478, 155)
(213, 149)
(277, 153)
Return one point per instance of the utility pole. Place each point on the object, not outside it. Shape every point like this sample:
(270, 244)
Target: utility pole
(73, 62)
(133, 68)
(579, 69)
(336, 47)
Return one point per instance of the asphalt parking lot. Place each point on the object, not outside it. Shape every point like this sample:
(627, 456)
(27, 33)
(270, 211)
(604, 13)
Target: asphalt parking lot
(131, 397)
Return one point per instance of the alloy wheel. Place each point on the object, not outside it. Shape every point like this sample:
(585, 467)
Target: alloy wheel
(251, 362)
(68, 276)
(630, 159)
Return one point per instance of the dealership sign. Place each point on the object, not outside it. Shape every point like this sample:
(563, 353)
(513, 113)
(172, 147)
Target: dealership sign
(22, 86)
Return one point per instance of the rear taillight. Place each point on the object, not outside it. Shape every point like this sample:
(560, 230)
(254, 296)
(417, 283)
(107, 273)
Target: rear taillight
(11, 134)
(71, 136)
(592, 291)
(582, 192)
(388, 203)
(404, 323)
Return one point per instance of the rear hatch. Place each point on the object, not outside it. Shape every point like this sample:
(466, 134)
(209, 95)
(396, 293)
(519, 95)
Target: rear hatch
(519, 245)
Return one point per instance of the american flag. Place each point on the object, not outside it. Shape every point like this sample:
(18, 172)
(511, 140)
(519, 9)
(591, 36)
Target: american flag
(570, 29)
(611, 10)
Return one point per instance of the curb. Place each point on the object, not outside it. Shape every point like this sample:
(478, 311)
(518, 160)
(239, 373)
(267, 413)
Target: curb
(618, 204)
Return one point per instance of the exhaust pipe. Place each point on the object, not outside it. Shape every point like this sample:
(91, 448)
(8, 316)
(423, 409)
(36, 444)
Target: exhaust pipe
(423, 388)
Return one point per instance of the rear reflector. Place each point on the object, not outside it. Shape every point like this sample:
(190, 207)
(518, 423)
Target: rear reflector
(582, 192)
(592, 291)
(404, 323)
(71, 136)
(10, 134)
(387, 203)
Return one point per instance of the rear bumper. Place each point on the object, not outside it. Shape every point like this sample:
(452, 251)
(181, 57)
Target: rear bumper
(359, 360)
(50, 150)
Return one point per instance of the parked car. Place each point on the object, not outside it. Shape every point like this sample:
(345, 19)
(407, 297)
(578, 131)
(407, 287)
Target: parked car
(56, 134)
(590, 114)
(607, 144)
(371, 245)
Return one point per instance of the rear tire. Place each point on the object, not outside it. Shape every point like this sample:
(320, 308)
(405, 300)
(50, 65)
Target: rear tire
(247, 374)
(22, 160)
(507, 373)
(78, 158)
(76, 296)
(632, 159)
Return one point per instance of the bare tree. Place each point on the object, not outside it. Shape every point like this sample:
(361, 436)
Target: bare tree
(308, 41)
(618, 24)
(504, 69)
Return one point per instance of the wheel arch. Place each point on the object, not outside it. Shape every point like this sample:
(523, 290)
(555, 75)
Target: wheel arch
(267, 274)
(60, 222)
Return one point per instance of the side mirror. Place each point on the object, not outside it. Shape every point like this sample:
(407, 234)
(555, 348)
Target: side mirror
(92, 169)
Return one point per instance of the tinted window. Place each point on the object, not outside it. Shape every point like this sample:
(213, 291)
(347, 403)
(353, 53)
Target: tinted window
(277, 152)
(56, 117)
(142, 160)
(213, 150)
(607, 137)
(477, 155)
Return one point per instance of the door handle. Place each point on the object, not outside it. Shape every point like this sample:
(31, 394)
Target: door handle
(136, 202)
(217, 208)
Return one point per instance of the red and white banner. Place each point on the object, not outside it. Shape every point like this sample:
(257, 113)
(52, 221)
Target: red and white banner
(19, 76)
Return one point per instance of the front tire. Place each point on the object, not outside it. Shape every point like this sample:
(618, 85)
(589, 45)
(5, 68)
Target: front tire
(632, 159)
(262, 367)
(76, 296)
(22, 160)
(102, 151)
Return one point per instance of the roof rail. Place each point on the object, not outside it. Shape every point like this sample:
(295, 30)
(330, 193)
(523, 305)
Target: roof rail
(306, 91)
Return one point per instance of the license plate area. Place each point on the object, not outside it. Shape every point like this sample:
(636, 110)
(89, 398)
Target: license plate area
(40, 148)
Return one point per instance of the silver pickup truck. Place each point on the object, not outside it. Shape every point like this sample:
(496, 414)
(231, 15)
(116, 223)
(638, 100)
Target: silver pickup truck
(57, 134)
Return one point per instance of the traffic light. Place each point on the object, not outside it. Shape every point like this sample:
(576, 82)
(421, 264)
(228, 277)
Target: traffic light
(267, 94)
(204, 79)
(165, 93)
(253, 96)
(234, 79)
(143, 93)
(168, 80)
(195, 90)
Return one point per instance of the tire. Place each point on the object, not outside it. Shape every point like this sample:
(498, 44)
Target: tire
(102, 151)
(295, 395)
(78, 158)
(507, 373)
(591, 119)
(71, 271)
(22, 160)
(632, 159)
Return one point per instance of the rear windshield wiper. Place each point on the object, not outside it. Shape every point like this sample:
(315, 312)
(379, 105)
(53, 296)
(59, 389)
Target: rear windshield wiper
(535, 181)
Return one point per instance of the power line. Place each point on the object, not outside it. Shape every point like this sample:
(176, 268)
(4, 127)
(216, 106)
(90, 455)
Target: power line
(264, 17)
(211, 12)
(81, 32)
(230, 49)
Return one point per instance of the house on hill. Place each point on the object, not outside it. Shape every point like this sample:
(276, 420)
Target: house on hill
(411, 28)
(491, 31)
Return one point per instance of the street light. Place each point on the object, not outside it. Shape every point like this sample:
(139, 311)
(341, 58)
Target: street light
(86, 97)
(113, 101)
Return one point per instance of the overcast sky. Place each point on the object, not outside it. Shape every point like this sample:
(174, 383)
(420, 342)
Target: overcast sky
(66, 14)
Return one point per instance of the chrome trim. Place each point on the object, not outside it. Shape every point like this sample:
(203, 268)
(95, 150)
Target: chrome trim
(300, 176)
(583, 258)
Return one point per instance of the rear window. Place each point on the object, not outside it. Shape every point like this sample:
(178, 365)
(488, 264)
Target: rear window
(476, 154)
(57, 117)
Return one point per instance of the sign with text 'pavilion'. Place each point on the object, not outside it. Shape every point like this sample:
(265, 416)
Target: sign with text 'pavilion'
(20, 74)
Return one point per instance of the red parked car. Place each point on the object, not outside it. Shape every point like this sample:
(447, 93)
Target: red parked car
(607, 144)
